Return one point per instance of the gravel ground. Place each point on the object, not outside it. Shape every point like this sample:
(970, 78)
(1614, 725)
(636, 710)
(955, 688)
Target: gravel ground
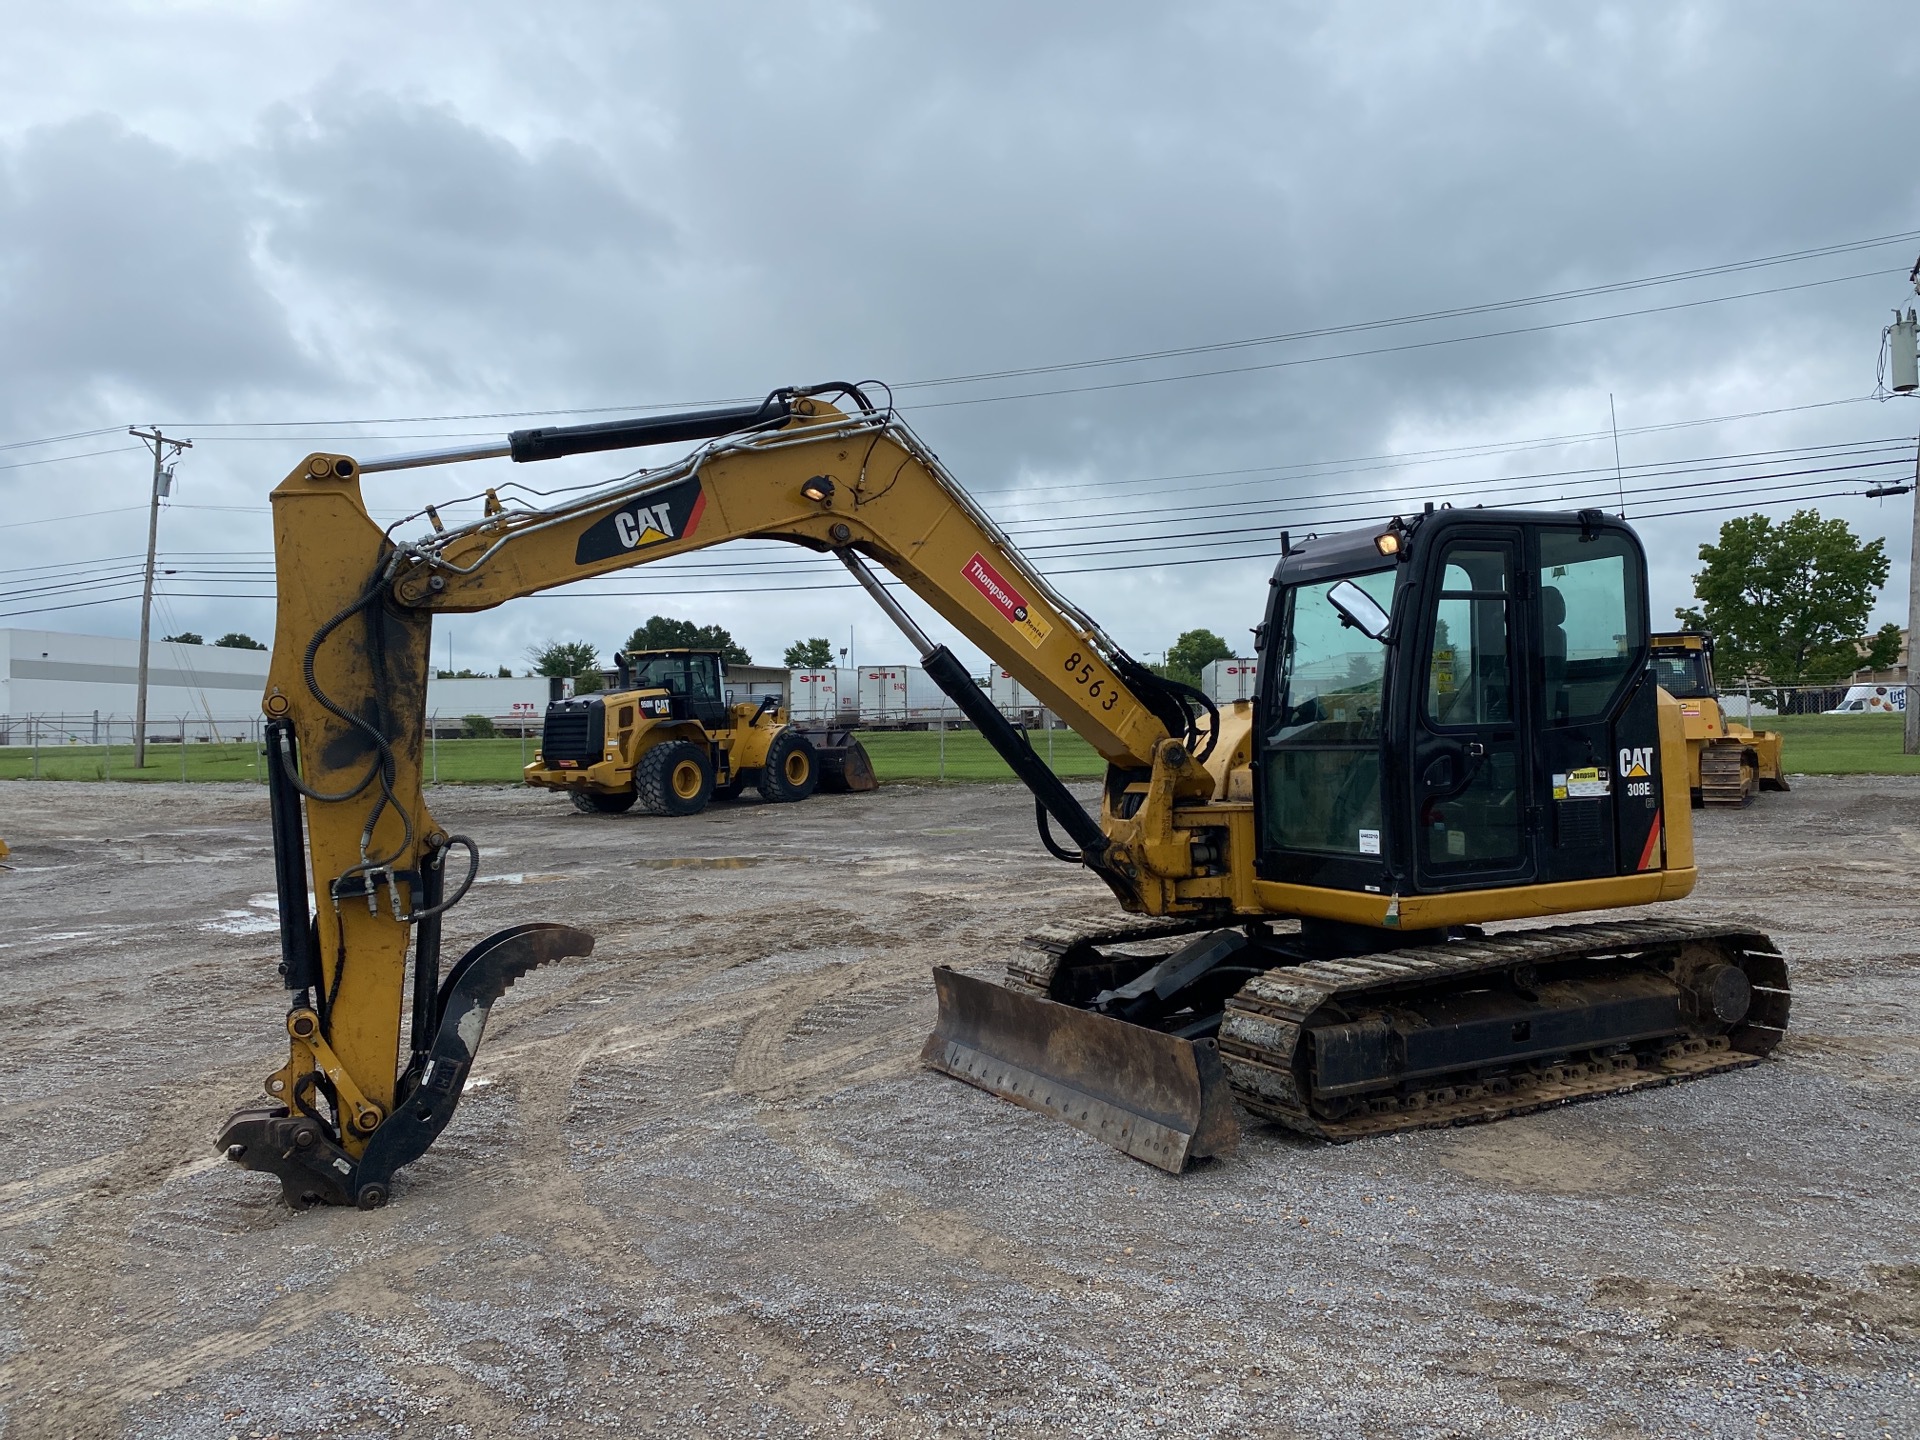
(700, 1185)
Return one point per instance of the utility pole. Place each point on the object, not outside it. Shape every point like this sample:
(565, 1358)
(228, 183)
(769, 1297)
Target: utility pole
(1901, 347)
(1911, 742)
(163, 449)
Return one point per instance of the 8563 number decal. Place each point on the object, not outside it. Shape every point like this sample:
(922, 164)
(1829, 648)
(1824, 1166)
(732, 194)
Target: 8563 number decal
(1107, 692)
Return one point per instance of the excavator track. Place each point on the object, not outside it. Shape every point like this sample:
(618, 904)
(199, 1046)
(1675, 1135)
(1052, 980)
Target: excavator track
(1288, 1031)
(1727, 776)
(1047, 951)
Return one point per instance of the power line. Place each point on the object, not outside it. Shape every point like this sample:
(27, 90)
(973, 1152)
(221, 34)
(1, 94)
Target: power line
(1800, 490)
(1426, 317)
(1407, 348)
(1043, 536)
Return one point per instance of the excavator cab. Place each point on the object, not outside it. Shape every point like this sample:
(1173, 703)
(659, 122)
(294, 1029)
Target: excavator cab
(1458, 704)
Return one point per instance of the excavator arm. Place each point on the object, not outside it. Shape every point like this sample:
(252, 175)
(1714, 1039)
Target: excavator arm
(346, 701)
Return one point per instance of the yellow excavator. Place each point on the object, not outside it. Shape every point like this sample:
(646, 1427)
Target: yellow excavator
(1458, 725)
(1727, 763)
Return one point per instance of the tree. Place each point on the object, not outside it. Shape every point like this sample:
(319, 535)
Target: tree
(185, 637)
(814, 654)
(1788, 602)
(569, 659)
(234, 640)
(460, 674)
(663, 632)
(506, 672)
(1188, 656)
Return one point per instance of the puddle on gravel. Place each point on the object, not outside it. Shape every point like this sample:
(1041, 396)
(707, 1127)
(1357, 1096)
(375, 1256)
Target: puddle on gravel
(261, 916)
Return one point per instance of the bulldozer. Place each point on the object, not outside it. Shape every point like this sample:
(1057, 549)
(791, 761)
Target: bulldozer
(667, 739)
(1727, 763)
(1458, 725)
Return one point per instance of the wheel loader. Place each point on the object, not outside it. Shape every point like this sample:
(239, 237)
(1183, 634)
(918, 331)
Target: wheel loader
(667, 739)
(1727, 763)
(1458, 725)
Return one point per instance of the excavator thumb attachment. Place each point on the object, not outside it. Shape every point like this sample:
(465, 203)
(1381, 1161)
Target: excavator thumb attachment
(1161, 1099)
(314, 1170)
(844, 765)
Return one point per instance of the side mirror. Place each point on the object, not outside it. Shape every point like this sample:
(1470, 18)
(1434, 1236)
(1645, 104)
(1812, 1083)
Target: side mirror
(1359, 609)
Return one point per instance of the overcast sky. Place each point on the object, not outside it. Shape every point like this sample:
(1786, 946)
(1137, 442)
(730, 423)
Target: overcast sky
(234, 220)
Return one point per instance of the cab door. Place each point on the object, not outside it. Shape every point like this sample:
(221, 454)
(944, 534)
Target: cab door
(709, 701)
(1596, 712)
(1471, 754)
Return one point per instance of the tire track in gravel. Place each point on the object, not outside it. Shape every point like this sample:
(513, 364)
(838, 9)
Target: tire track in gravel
(566, 1215)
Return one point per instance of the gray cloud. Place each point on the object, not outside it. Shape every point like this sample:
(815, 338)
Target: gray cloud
(127, 269)
(646, 204)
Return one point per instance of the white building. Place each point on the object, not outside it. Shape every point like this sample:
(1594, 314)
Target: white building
(60, 688)
(72, 686)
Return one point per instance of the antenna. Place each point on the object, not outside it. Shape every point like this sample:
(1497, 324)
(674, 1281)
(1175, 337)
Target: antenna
(1619, 485)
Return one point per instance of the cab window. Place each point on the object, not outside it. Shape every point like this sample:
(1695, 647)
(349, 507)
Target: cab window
(1323, 748)
(1683, 674)
(1468, 680)
(1591, 621)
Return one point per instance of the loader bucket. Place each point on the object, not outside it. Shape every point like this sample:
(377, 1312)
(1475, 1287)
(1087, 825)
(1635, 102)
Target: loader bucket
(844, 766)
(1159, 1098)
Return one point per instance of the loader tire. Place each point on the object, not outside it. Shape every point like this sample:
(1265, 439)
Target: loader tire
(674, 779)
(595, 802)
(791, 770)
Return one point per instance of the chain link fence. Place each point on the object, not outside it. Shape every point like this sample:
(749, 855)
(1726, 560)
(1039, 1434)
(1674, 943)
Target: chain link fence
(1759, 702)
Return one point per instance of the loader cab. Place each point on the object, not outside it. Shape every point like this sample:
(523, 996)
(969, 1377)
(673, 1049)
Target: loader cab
(694, 682)
(1459, 701)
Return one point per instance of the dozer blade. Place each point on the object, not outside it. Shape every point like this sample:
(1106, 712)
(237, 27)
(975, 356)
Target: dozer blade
(1159, 1098)
(844, 765)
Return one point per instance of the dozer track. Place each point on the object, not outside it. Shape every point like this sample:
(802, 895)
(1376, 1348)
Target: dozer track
(1727, 777)
(1340, 1049)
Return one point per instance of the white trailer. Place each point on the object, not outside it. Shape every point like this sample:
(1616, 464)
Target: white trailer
(514, 703)
(823, 695)
(901, 695)
(1009, 696)
(1227, 680)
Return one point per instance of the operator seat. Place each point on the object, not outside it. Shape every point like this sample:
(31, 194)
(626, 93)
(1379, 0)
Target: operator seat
(1553, 651)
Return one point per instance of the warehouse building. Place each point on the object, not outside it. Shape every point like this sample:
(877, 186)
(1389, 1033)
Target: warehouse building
(58, 688)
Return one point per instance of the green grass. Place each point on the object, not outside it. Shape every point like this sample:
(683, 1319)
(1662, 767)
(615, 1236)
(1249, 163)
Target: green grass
(98, 762)
(1815, 745)
(896, 755)
(1840, 744)
(916, 755)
